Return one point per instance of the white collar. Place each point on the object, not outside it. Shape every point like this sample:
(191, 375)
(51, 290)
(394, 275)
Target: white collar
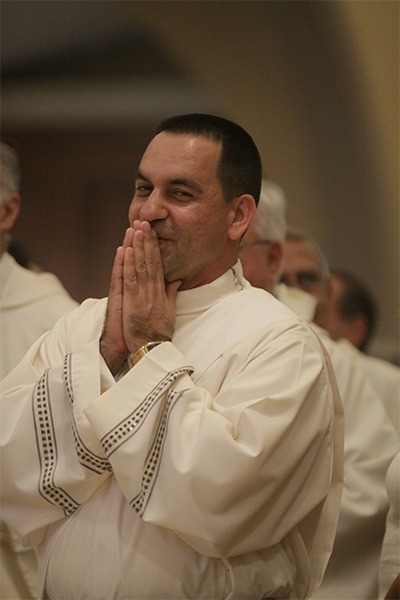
(201, 298)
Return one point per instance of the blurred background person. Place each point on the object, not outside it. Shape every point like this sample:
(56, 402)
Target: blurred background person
(20, 253)
(352, 309)
(262, 247)
(305, 267)
(30, 304)
(370, 439)
(351, 318)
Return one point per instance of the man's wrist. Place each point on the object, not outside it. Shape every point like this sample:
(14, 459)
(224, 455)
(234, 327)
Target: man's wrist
(114, 360)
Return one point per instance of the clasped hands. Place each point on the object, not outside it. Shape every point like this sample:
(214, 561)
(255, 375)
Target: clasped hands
(141, 306)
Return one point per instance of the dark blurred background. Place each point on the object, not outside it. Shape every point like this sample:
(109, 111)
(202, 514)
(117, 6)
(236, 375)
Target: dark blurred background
(84, 83)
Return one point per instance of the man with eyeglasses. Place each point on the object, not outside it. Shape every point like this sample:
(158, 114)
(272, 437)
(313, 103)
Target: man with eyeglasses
(305, 267)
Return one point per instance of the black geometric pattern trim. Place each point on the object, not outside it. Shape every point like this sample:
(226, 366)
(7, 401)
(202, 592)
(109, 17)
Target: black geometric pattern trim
(87, 458)
(68, 377)
(131, 424)
(152, 466)
(47, 449)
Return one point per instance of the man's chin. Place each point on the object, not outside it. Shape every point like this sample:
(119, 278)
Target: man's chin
(169, 270)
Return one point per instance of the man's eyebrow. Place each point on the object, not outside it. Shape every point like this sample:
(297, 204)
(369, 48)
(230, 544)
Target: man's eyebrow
(189, 183)
(140, 175)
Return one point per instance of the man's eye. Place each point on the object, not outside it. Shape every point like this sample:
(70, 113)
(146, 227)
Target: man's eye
(181, 194)
(308, 278)
(142, 190)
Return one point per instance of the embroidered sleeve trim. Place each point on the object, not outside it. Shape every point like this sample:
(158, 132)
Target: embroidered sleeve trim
(47, 449)
(132, 423)
(87, 458)
(153, 461)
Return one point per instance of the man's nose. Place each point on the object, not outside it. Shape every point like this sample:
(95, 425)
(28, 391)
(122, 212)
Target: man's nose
(154, 207)
(294, 281)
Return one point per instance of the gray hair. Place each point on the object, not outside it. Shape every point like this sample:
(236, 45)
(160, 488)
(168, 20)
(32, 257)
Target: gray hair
(270, 216)
(299, 236)
(10, 172)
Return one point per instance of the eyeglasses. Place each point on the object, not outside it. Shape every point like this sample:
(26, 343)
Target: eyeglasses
(306, 280)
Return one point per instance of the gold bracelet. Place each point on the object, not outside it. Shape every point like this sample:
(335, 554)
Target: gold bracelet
(134, 358)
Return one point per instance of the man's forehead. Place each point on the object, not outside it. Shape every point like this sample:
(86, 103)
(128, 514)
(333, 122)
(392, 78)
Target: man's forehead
(297, 251)
(172, 156)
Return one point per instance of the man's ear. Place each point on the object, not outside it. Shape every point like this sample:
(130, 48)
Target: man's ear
(9, 212)
(241, 213)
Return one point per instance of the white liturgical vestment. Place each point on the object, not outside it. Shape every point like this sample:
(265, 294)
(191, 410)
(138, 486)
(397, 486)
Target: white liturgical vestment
(210, 470)
(383, 376)
(30, 304)
(389, 567)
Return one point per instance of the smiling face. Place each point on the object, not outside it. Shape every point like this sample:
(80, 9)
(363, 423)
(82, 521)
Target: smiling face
(178, 192)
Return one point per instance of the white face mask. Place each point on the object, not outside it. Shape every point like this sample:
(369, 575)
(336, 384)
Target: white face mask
(300, 302)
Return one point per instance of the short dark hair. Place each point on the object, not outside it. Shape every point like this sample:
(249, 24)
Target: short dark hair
(357, 300)
(240, 168)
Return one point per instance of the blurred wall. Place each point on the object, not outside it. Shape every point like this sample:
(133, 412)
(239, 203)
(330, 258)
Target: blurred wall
(315, 83)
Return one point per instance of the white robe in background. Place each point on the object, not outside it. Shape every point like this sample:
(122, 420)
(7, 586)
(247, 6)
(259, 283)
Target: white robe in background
(370, 443)
(210, 470)
(384, 378)
(30, 304)
(389, 567)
